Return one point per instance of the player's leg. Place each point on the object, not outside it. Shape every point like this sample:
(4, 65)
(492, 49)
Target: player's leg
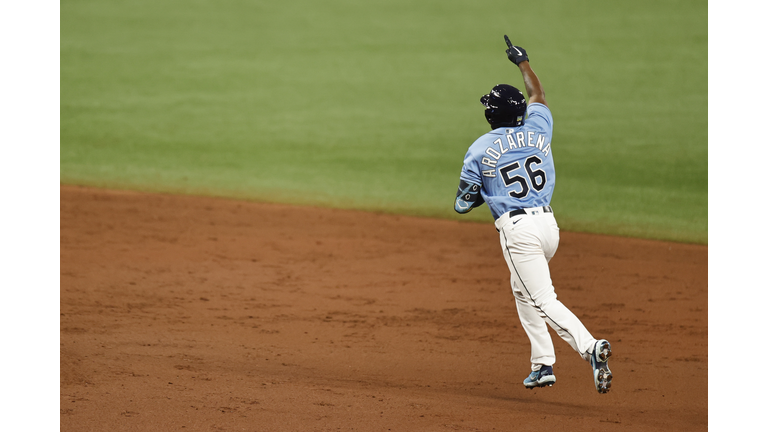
(542, 350)
(597, 352)
(528, 244)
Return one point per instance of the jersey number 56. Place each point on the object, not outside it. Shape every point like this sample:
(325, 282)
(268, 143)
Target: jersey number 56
(536, 177)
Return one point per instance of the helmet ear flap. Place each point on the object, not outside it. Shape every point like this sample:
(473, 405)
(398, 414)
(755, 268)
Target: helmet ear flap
(497, 121)
(489, 116)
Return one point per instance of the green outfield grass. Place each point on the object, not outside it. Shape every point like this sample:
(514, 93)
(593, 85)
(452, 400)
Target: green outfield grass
(372, 105)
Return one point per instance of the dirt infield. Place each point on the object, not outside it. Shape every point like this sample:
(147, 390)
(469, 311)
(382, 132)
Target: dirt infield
(204, 314)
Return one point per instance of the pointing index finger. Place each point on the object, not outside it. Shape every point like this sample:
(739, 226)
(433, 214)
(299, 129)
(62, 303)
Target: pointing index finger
(509, 44)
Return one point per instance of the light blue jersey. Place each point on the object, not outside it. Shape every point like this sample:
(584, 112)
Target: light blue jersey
(514, 165)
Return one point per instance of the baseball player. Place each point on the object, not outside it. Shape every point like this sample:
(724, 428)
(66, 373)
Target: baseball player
(511, 168)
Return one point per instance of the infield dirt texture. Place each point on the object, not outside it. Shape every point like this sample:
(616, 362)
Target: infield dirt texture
(204, 314)
(257, 225)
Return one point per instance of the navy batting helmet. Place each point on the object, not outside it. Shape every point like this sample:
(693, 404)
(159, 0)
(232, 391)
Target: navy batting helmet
(504, 106)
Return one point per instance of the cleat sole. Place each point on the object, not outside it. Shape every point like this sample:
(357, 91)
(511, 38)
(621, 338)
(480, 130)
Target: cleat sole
(602, 374)
(546, 384)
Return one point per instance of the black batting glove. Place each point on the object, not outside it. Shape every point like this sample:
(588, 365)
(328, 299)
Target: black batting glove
(515, 54)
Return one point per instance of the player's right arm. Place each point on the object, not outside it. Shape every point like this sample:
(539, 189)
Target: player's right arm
(518, 56)
(467, 197)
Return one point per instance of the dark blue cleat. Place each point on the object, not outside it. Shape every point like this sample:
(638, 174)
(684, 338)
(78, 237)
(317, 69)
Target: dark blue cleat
(540, 378)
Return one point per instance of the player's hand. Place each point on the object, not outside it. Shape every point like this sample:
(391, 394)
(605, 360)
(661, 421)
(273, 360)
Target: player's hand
(515, 54)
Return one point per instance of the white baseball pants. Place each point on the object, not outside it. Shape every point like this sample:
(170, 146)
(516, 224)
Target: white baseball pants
(529, 241)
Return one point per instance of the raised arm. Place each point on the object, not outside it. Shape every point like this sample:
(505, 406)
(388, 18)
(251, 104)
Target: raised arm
(518, 56)
(532, 84)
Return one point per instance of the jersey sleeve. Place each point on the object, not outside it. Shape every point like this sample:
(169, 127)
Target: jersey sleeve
(470, 171)
(540, 117)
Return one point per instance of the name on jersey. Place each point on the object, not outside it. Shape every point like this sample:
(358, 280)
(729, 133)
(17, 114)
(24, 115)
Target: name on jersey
(513, 141)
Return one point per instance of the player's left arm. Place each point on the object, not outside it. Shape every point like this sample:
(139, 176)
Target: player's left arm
(467, 197)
